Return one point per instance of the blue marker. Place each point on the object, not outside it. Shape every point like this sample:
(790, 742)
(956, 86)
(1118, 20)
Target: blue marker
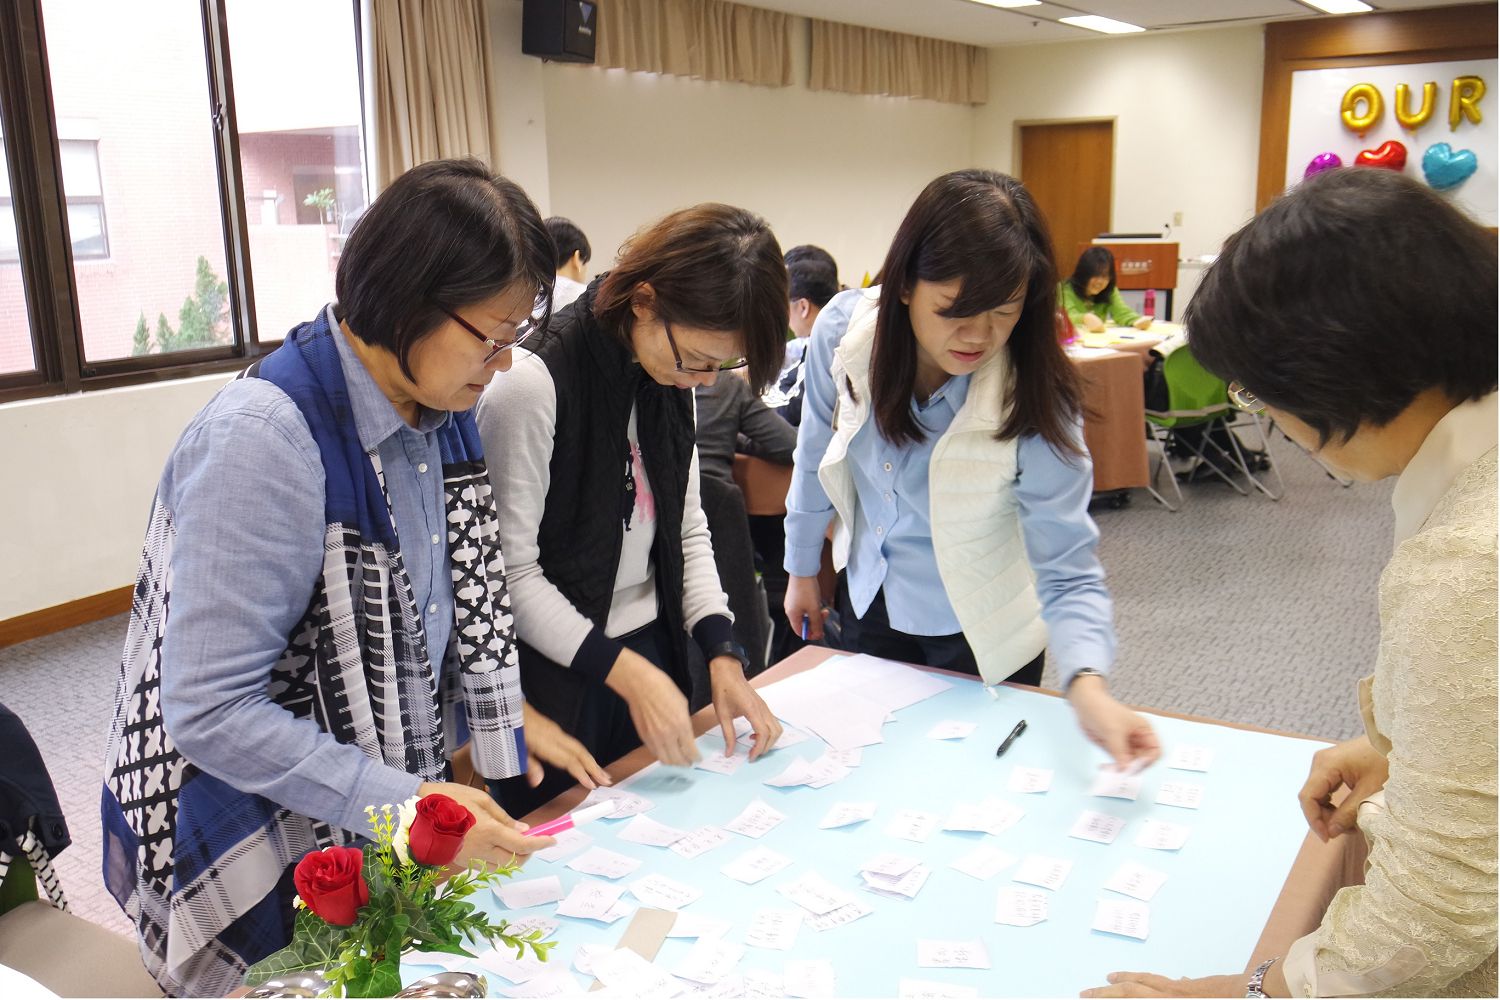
(804, 628)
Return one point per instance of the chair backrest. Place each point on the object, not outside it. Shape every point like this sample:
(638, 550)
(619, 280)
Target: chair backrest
(1194, 394)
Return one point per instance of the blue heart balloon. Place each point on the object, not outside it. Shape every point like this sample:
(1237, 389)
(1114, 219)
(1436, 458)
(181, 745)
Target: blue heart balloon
(1446, 169)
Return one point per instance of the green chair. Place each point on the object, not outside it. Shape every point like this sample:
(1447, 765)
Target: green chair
(1196, 398)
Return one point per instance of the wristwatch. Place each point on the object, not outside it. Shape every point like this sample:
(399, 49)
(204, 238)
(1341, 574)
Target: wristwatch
(1083, 672)
(728, 648)
(1257, 977)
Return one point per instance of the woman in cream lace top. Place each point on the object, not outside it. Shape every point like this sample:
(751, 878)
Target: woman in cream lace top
(1323, 311)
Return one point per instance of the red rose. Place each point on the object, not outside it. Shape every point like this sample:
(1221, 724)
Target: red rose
(332, 884)
(438, 830)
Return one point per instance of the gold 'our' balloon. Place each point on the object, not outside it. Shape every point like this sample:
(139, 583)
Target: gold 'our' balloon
(1409, 121)
(1374, 107)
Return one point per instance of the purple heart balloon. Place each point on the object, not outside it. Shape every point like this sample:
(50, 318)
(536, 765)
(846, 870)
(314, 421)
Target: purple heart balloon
(1322, 162)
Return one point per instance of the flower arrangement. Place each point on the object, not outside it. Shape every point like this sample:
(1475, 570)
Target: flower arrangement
(359, 910)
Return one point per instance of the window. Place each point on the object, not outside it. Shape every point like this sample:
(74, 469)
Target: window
(190, 222)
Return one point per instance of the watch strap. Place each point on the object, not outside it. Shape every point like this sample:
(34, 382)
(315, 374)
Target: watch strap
(1253, 988)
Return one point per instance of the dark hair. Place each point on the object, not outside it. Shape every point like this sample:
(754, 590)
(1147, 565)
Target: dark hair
(812, 280)
(714, 267)
(1353, 293)
(446, 234)
(569, 240)
(806, 251)
(984, 228)
(1095, 262)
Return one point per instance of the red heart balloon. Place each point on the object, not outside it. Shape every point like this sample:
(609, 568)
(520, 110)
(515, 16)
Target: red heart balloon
(1391, 156)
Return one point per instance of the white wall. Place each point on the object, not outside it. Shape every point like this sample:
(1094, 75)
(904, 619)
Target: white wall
(838, 170)
(1186, 108)
(79, 475)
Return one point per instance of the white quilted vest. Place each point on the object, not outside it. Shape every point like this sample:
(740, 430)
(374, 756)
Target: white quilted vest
(976, 532)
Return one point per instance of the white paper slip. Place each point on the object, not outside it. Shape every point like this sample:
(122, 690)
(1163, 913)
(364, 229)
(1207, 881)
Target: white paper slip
(1116, 785)
(443, 959)
(709, 961)
(773, 928)
(1182, 794)
(1189, 758)
(700, 841)
(629, 973)
(693, 925)
(720, 764)
(756, 820)
(1136, 880)
(762, 984)
(795, 773)
(890, 684)
(790, 736)
(847, 758)
(913, 824)
(825, 771)
(731, 987)
(845, 914)
(1162, 836)
(506, 965)
(847, 814)
(660, 891)
(532, 892)
(590, 900)
(923, 989)
(523, 926)
(809, 978)
(552, 982)
(889, 864)
(756, 864)
(626, 803)
(1099, 827)
(619, 911)
(568, 842)
(951, 729)
(1037, 869)
(1031, 780)
(583, 958)
(1123, 917)
(903, 887)
(604, 863)
(1020, 907)
(932, 954)
(645, 830)
(815, 893)
(982, 862)
(993, 816)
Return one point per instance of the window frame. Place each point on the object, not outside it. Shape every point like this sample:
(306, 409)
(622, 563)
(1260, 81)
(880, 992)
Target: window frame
(44, 245)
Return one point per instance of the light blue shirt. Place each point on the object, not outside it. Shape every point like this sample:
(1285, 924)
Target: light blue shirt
(891, 537)
(245, 487)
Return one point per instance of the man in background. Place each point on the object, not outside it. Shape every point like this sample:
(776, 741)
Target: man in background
(573, 255)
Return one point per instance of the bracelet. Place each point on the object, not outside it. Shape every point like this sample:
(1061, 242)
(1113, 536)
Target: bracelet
(1253, 989)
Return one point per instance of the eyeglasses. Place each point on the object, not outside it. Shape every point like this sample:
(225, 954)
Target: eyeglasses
(1244, 400)
(524, 329)
(723, 366)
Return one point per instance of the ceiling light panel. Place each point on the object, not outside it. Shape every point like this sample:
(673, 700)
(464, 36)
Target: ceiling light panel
(1105, 25)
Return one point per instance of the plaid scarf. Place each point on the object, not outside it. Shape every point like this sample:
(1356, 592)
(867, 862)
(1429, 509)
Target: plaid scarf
(197, 864)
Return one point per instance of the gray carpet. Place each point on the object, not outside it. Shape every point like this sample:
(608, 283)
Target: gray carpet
(1235, 607)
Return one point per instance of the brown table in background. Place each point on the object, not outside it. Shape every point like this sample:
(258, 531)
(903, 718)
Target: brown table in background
(1318, 872)
(1114, 419)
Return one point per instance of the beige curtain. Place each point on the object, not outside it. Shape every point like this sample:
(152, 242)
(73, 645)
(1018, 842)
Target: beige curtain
(432, 92)
(867, 61)
(706, 39)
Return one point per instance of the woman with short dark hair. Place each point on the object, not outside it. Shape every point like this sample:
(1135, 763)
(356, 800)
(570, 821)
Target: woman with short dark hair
(321, 622)
(1089, 295)
(942, 436)
(596, 476)
(1332, 312)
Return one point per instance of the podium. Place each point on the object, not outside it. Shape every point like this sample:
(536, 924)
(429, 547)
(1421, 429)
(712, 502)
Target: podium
(1142, 264)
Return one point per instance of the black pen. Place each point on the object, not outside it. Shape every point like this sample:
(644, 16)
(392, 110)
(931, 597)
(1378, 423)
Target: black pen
(1005, 743)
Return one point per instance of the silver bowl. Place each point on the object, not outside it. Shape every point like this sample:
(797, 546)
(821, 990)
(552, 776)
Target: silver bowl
(448, 984)
(293, 984)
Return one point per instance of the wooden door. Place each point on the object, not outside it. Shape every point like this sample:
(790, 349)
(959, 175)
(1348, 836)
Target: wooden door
(1069, 170)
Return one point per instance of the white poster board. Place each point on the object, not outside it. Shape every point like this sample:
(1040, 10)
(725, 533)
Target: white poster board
(1315, 126)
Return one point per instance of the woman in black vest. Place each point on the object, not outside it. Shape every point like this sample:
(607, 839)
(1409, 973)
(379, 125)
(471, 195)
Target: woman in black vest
(591, 439)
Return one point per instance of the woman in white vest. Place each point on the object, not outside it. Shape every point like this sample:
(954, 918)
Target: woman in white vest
(941, 433)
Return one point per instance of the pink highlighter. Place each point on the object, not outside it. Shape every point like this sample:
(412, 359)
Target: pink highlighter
(587, 814)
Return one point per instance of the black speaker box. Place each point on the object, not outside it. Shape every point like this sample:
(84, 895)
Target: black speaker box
(559, 29)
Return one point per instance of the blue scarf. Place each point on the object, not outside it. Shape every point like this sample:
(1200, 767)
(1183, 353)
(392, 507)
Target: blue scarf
(200, 866)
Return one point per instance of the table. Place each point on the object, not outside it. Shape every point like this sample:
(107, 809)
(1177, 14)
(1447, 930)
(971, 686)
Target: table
(1243, 846)
(1114, 418)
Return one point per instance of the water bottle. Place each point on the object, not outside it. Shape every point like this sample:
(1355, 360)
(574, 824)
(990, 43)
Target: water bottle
(1150, 303)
